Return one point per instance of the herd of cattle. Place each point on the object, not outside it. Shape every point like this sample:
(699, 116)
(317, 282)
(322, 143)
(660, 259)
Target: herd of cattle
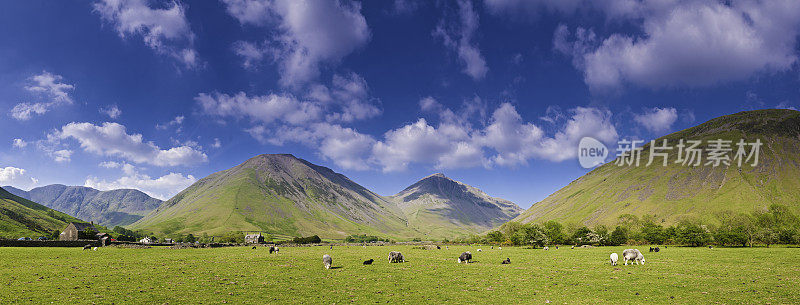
(632, 255)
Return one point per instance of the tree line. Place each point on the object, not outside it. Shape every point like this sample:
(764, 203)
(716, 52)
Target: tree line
(775, 225)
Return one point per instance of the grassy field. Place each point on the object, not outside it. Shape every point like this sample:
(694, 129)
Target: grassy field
(296, 275)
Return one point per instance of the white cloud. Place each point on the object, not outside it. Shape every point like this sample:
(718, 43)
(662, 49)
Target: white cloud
(657, 120)
(17, 177)
(448, 146)
(19, 143)
(265, 108)
(251, 53)
(217, 143)
(111, 111)
(112, 139)
(691, 44)
(506, 140)
(50, 87)
(163, 187)
(458, 36)
(310, 34)
(165, 30)
(346, 147)
(62, 155)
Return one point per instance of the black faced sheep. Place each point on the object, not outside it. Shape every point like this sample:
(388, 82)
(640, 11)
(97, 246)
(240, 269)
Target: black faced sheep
(633, 255)
(396, 257)
(369, 261)
(506, 261)
(327, 261)
(614, 259)
(465, 257)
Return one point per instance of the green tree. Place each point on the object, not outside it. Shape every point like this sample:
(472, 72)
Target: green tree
(554, 232)
(693, 234)
(618, 237)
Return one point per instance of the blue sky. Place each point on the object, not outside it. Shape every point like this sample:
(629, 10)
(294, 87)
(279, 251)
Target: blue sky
(155, 95)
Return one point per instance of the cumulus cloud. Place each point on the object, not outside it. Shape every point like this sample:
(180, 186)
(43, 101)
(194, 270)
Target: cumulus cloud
(19, 143)
(309, 34)
(163, 187)
(47, 86)
(657, 120)
(505, 140)
(16, 177)
(165, 30)
(112, 139)
(458, 36)
(111, 111)
(346, 147)
(689, 44)
(264, 108)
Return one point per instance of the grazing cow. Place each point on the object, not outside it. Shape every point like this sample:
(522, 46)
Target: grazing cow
(396, 257)
(633, 255)
(614, 259)
(87, 247)
(369, 261)
(506, 261)
(327, 261)
(465, 257)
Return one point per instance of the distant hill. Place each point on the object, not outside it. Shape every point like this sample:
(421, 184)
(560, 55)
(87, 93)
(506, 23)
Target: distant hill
(20, 217)
(676, 191)
(109, 208)
(280, 194)
(440, 207)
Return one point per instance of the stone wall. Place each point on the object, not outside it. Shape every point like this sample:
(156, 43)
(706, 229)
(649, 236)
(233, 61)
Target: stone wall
(48, 243)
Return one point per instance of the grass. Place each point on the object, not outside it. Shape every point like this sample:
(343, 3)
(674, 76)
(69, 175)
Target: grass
(296, 275)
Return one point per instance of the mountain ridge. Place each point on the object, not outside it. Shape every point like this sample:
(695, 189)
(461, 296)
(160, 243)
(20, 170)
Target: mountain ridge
(110, 208)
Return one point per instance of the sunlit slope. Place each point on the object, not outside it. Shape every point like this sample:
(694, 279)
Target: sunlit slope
(20, 217)
(279, 194)
(677, 191)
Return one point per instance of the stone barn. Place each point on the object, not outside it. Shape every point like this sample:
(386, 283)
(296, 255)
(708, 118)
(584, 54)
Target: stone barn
(73, 229)
(254, 239)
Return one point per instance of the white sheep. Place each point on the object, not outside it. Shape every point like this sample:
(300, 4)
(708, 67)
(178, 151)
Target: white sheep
(614, 259)
(546, 248)
(633, 255)
(479, 250)
(94, 249)
(327, 261)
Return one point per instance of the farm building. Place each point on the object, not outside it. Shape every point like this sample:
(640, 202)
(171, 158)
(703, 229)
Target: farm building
(254, 238)
(72, 232)
(146, 240)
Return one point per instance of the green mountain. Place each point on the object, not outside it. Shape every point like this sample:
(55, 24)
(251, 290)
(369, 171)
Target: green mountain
(20, 217)
(438, 207)
(678, 191)
(279, 194)
(109, 208)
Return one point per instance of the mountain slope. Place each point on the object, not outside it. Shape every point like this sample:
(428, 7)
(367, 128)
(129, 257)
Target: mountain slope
(110, 208)
(441, 207)
(20, 217)
(279, 194)
(676, 191)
